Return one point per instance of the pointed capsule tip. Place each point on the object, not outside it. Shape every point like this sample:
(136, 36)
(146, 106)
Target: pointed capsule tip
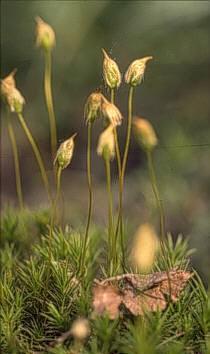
(13, 72)
(38, 19)
(105, 53)
(74, 135)
(148, 58)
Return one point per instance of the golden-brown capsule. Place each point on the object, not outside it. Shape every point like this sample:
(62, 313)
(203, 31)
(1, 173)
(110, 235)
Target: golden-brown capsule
(93, 106)
(45, 35)
(15, 100)
(80, 329)
(8, 83)
(145, 133)
(111, 112)
(111, 72)
(11, 94)
(65, 152)
(106, 143)
(145, 247)
(136, 70)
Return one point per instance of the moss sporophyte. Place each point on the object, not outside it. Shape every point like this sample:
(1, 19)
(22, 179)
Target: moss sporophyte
(96, 106)
(60, 279)
(46, 40)
(15, 102)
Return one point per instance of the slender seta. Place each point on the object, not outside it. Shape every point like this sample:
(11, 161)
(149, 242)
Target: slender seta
(90, 206)
(49, 101)
(45, 39)
(54, 207)
(122, 176)
(16, 161)
(37, 154)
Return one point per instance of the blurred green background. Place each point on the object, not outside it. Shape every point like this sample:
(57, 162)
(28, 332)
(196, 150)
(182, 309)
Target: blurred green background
(174, 97)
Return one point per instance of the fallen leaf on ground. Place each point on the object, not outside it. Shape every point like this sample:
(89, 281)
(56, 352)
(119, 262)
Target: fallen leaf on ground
(138, 293)
(106, 299)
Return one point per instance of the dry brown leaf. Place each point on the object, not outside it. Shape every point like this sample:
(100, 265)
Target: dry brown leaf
(166, 287)
(106, 299)
(138, 304)
(139, 293)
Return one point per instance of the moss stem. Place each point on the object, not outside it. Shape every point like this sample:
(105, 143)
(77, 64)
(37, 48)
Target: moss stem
(118, 155)
(122, 177)
(16, 162)
(49, 101)
(90, 206)
(154, 184)
(54, 207)
(116, 139)
(111, 251)
(36, 153)
(159, 205)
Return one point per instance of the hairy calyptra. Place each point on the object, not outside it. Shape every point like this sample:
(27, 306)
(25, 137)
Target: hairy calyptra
(111, 72)
(92, 108)
(111, 112)
(65, 152)
(145, 133)
(106, 144)
(45, 35)
(11, 94)
(145, 247)
(135, 72)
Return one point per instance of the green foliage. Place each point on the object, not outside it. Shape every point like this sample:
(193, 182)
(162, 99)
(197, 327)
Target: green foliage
(104, 335)
(174, 254)
(40, 299)
(21, 227)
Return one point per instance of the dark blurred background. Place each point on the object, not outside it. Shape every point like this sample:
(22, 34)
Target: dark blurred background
(174, 97)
